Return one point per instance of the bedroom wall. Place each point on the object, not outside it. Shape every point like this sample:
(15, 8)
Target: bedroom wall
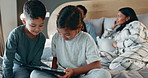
(8, 16)
(1, 38)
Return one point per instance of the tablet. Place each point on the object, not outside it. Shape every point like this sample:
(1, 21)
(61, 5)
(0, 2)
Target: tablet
(48, 70)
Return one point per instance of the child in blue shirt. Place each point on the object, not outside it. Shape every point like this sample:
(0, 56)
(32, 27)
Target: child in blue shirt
(25, 43)
(87, 27)
(73, 50)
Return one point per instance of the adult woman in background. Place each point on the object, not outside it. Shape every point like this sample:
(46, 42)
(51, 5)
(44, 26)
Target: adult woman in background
(130, 42)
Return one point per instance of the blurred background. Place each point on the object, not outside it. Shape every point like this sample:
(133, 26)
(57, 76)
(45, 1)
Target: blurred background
(10, 11)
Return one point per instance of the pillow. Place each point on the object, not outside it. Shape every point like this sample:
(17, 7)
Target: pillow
(105, 45)
(47, 56)
(97, 23)
(108, 22)
(144, 19)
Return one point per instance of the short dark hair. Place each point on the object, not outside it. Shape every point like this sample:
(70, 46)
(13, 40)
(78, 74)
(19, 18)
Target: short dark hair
(83, 8)
(34, 9)
(69, 17)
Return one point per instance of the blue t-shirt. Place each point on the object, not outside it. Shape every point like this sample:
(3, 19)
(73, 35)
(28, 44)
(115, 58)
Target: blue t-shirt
(22, 50)
(91, 31)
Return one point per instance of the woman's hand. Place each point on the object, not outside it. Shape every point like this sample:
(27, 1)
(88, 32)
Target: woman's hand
(68, 74)
(114, 26)
(114, 44)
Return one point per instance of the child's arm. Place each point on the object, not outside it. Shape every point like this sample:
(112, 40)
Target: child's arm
(54, 63)
(9, 55)
(81, 70)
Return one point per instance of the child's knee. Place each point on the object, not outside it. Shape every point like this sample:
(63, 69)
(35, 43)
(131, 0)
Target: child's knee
(104, 73)
(34, 74)
(99, 73)
(41, 74)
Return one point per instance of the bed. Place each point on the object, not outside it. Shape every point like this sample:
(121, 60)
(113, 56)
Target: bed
(101, 14)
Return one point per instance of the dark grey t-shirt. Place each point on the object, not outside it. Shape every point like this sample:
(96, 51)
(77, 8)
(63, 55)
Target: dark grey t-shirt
(21, 49)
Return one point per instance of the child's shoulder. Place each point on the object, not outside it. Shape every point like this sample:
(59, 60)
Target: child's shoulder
(56, 36)
(84, 34)
(18, 29)
(16, 32)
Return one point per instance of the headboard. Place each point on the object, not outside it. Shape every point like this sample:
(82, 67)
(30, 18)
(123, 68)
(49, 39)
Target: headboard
(99, 8)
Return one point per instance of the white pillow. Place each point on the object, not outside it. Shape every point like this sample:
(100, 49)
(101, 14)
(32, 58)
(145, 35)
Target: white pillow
(108, 22)
(144, 19)
(97, 23)
(47, 56)
(105, 45)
